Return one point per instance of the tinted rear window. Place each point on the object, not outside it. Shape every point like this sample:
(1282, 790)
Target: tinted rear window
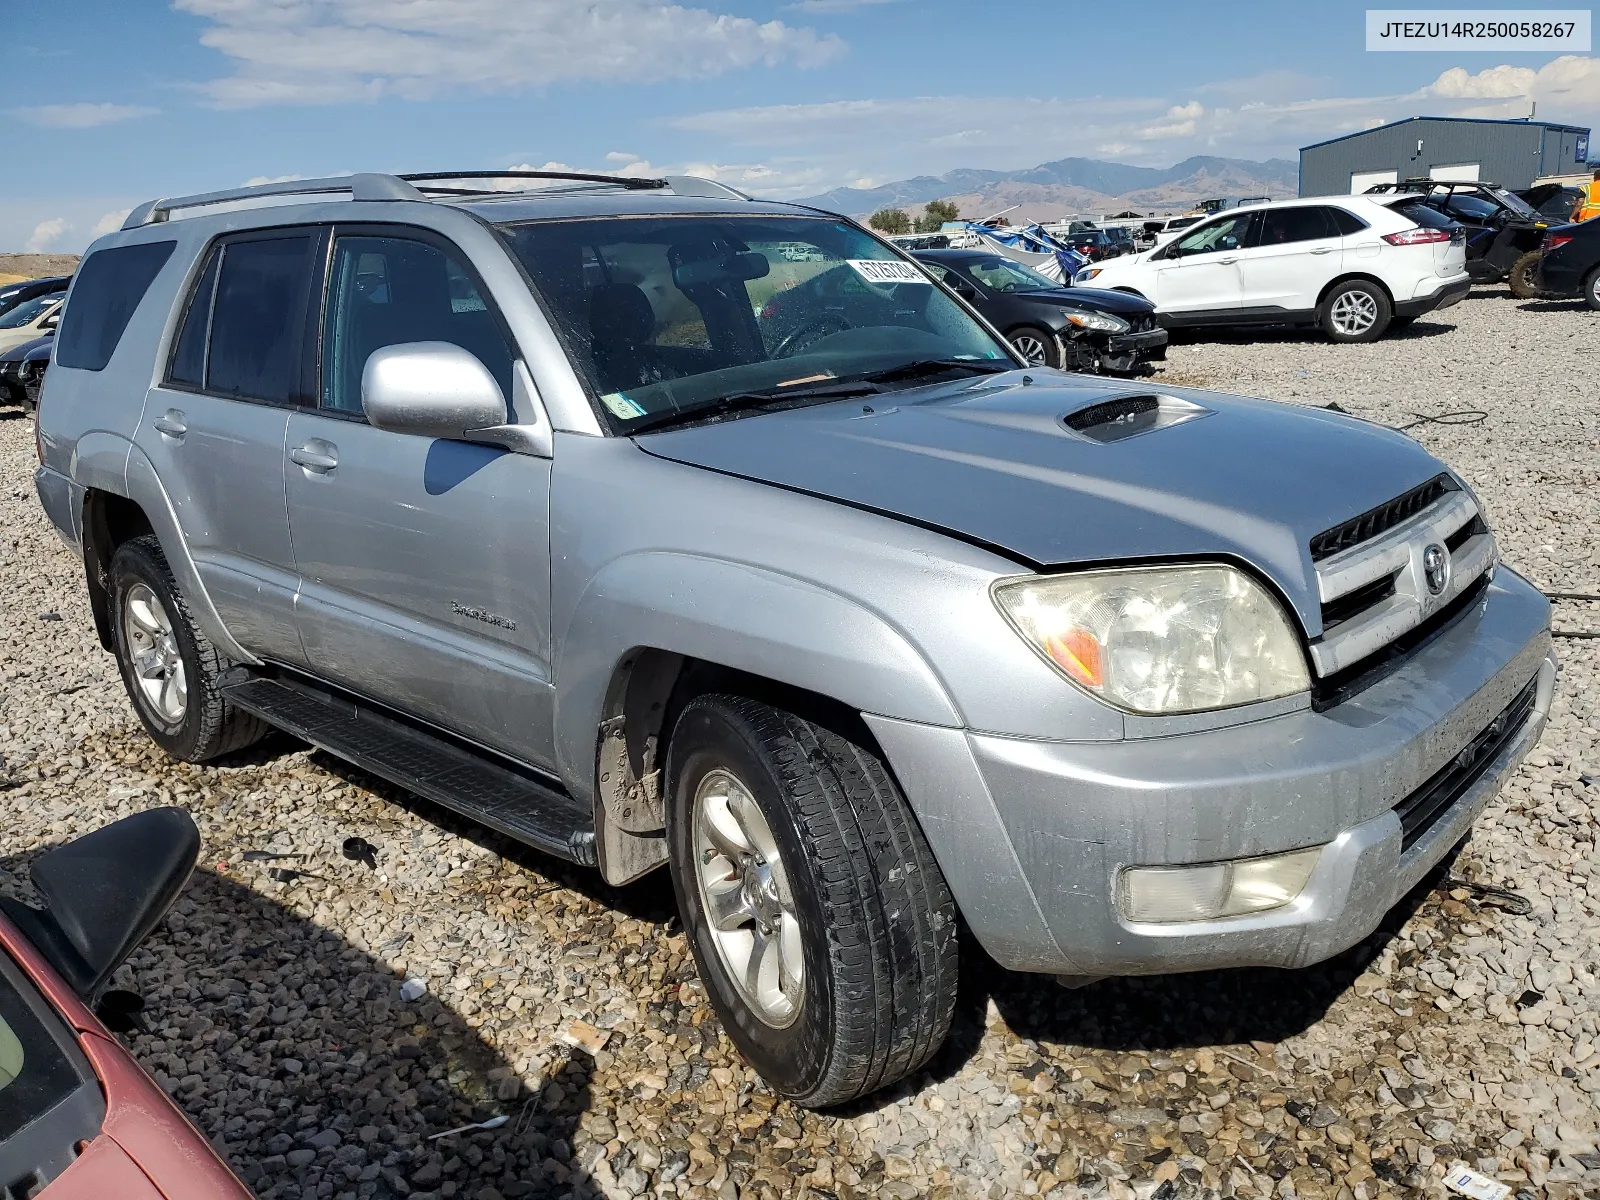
(109, 287)
(1428, 218)
(257, 318)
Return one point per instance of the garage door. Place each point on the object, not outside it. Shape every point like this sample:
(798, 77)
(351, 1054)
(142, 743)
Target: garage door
(1455, 173)
(1360, 181)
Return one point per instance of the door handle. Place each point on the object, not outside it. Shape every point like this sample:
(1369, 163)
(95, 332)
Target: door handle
(171, 423)
(317, 456)
(1227, 260)
(1324, 250)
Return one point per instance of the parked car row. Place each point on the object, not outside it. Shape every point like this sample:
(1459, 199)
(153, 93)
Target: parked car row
(1355, 266)
(29, 314)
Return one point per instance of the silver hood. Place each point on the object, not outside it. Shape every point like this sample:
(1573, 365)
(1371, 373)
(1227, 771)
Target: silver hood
(995, 462)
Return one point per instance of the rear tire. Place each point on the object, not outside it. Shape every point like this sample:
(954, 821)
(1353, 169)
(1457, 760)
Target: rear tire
(1591, 289)
(1523, 277)
(1038, 347)
(169, 667)
(1355, 311)
(820, 922)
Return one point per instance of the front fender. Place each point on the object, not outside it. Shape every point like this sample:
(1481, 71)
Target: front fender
(145, 490)
(768, 624)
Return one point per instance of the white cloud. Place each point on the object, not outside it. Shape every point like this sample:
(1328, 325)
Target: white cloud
(110, 223)
(45, 233)
(1265, 116)
(837, 6)
(333, 51)
(81, 116)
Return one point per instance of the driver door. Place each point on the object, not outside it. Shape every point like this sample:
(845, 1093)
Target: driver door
(1203, 271)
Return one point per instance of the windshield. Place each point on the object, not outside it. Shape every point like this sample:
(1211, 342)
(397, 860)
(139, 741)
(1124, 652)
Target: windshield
(25, 312)
(672, 314)
(1514, 202)
(1003, 275)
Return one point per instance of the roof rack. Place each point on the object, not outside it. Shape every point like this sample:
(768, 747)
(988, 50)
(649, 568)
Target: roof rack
(374, 186)
(360, 187)
(631, 182)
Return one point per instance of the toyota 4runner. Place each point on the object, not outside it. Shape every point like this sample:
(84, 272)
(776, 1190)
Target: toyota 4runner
(856, 624)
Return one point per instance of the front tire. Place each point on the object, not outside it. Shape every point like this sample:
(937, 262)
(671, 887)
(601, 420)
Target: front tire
(820, 922)
(1355, 311)
(1523, 277)
(1038, 347)
(169, 667)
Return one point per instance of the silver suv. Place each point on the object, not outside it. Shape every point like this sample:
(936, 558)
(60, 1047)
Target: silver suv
(651, 525)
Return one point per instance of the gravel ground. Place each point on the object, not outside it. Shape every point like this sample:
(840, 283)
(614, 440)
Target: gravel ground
(279, 1020)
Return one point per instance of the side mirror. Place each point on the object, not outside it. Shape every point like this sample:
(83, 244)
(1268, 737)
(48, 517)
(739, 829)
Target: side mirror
(962, 288)
(51, 321)
(105, 892)
(430, 389)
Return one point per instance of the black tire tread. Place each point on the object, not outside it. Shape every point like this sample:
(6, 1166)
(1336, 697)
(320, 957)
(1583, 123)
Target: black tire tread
(891, 918)
(222, 728)
(1520, 278)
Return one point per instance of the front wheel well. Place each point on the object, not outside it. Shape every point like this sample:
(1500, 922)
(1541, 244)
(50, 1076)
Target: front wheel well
(649, 688)
(109, 520)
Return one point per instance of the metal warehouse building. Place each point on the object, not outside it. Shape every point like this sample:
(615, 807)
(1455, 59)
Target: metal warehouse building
(1510, 153)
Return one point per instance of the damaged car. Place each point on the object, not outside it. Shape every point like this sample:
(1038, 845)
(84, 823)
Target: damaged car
(658, 527)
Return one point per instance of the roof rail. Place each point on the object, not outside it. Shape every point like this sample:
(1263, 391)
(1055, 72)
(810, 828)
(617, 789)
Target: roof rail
(360, 187)
(694, 185)
(632, 182)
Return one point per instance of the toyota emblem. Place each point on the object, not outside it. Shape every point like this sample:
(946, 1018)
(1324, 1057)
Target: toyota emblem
(1436, 568)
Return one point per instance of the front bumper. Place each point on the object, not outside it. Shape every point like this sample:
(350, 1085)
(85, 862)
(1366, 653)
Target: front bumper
(1032, 835)
(1144, 346)
(1451, 293)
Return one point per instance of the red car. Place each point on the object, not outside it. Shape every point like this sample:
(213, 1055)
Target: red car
(79, 1118)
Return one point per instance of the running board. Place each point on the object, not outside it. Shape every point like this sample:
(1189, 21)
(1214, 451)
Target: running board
(453, 775)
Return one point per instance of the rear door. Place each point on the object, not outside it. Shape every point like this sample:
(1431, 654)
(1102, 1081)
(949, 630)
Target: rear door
(214, 428)
(425, 568)
(1201, 271)
(1296, 252)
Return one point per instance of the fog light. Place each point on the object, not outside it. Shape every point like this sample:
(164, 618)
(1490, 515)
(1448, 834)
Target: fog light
(1171, 895)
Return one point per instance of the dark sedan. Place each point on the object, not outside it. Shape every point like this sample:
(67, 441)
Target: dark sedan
(1570, 264)
(1077, 329)
(22, 371)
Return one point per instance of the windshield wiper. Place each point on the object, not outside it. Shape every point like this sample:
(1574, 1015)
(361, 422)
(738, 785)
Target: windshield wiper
(936, 366)
(771, 399)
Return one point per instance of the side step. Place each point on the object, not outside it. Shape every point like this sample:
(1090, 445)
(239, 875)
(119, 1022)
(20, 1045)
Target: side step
(492, 792)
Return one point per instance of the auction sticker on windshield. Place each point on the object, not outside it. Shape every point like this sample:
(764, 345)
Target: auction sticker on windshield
(892, 270)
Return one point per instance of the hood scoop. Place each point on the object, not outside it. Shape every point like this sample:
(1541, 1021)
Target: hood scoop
(1124, 417)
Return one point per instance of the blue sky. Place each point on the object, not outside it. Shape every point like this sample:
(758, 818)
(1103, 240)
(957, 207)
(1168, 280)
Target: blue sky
(109, 102)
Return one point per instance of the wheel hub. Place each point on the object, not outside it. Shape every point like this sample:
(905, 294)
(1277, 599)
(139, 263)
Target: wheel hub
(154, 655)
(745, 894)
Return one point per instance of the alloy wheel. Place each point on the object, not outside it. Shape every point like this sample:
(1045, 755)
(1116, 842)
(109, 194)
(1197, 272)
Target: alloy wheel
(747, 900)
(1353, 313)
(153, 650)
(1032, 349)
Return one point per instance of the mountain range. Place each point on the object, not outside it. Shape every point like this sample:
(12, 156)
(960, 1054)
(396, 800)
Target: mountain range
(1071, 186)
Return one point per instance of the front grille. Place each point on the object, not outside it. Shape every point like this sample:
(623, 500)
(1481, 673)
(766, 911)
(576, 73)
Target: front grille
(1352, 603)
(1419, 811)
(1379, 520)
(1385, 580)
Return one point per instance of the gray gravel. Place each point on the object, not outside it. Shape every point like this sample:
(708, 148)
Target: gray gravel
(1460, 1031)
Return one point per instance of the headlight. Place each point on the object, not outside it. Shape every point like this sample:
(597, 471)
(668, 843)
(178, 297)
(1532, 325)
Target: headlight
(1104, 322)
(1086, 274)
(1160, 639)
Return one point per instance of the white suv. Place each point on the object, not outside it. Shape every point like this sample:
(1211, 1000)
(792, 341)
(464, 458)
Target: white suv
(1347, 263)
